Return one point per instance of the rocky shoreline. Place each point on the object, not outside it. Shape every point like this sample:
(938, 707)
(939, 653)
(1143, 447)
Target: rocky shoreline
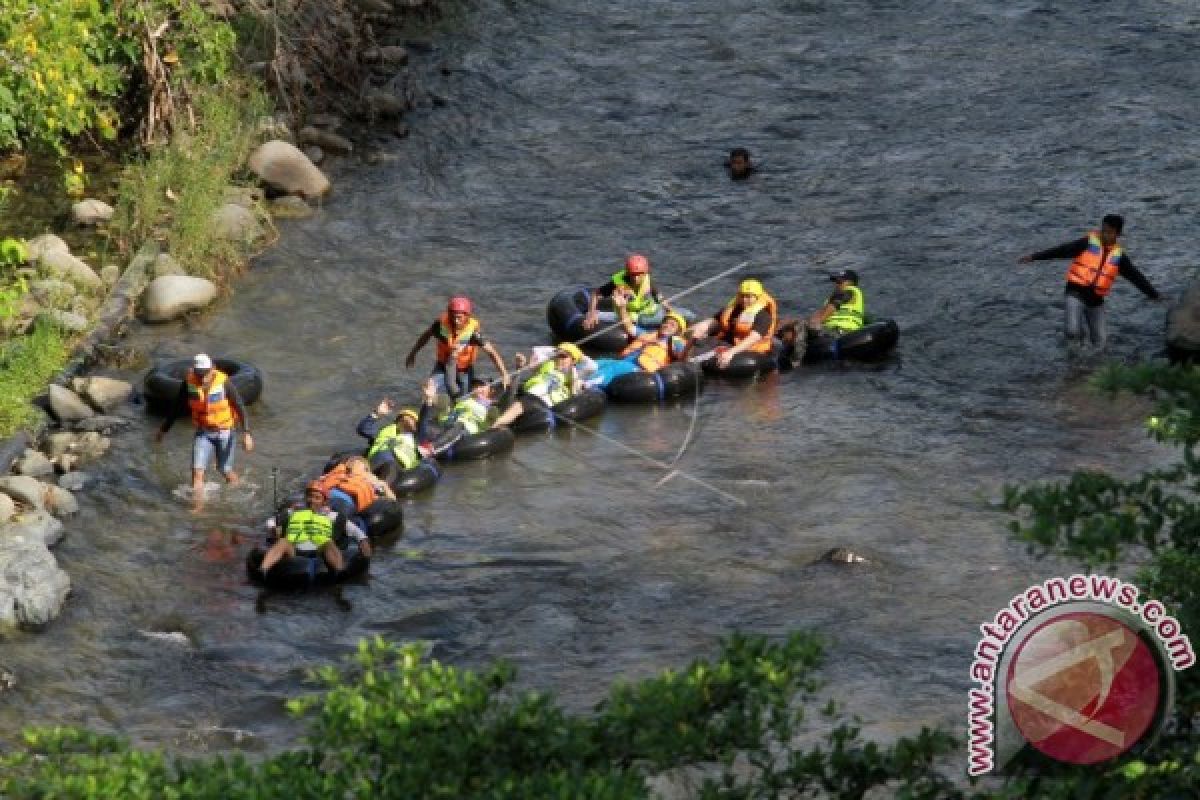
(44, 468)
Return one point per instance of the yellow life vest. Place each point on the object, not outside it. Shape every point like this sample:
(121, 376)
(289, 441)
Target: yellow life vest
(551, 384)
(402, 445)
(848, 316)
(307, 525)
(642, 301)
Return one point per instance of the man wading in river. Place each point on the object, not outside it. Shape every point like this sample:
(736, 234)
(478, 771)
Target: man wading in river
(216, 408)
(1098, 260)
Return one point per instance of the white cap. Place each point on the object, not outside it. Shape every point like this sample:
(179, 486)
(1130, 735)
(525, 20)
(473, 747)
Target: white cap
(201, 361)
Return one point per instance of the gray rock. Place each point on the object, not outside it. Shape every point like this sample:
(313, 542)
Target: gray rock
(8, 679)
(165, 264)
(66, 405)
(25, 490)
(102, 423)
(843, 555)
(290, 207)
(282, 166)
(328, 121)
(68, 267)
(105, 394)
(110, 274)
(75, 481)
(385, 104)
(7, 508)
(65, 320)
(1183, 325)
(36, 526)
(50, 290)
(34, 464)
(33, 587)
(328, 141)
(56, 444)
(236, 223)
(40, 246)
(315, 154)
(91, 446)
(91, 212)
(171, 296)
(60, 501)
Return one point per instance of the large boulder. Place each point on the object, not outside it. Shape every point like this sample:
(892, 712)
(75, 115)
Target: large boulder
(236, 223)
(1183, 326)
(104, 394)
(25, 490)
(91, 212)
(63, 265)
(33, 587)
(171, 296)
(40, 246)
(283, 167)
(66, 406)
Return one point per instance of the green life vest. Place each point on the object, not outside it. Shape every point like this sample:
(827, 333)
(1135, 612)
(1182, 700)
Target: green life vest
(471, 412)
(551, 383)
(848, 316)
(642, 302)
(307, 525)
(402, 445)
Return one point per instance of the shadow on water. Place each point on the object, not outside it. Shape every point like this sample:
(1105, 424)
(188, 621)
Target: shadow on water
(917, 146)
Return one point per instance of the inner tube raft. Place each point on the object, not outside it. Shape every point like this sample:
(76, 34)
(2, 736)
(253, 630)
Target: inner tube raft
(411, 481)
(745, 365)
(672, 381)
(576, 408)
(305, 572)
(161, 384)
(567, 309)
(478, 446)
(869, 343)
(383, 517)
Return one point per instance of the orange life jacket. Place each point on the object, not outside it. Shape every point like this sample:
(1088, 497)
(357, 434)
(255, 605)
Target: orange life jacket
(450, 340)
(358, 486)
(210, 407)
(1092, 270)
(653, 350)
(734, 330)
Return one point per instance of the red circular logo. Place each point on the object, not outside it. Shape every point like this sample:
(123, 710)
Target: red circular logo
(1083, 687)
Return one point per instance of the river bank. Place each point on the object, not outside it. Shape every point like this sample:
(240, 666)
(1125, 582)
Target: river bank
(188, 199)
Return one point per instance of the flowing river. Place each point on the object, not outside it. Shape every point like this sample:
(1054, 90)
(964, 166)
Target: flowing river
(926, 145)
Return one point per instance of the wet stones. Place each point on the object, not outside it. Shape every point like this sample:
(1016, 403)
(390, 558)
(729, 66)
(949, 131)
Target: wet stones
(842, 555)
(104, 394)
(282, 167)
(66, 406)
(33, 464)
(1183, 327)
(328, 141)
(171, 296)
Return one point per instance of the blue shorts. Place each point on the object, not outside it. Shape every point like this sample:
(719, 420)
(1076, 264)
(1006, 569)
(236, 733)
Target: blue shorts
(213, 443)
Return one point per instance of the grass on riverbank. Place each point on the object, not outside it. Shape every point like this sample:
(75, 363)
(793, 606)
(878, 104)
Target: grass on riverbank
(172, 194)
(26, 366)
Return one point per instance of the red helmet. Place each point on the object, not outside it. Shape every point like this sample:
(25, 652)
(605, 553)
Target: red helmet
(637, 264)
(458, 303)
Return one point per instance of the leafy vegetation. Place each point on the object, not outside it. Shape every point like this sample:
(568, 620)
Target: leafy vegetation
(394, 724)
(26, 366)
(1152, 520)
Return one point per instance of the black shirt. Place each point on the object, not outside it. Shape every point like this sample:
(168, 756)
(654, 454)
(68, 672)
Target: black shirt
(1086, 293)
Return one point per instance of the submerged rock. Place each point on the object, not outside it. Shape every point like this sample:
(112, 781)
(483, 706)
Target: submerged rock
(324, 139)
(171, 296)
(34, 464)
(283, 167)
(843, 555)
(75, 481)
(290, 207)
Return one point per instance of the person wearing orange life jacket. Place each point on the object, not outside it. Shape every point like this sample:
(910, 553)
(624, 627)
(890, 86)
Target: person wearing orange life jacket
(1098, 259)
(216, 409)
(648, 351)
(644, 303)
(351, 488)
(458, 344)
(745, 325)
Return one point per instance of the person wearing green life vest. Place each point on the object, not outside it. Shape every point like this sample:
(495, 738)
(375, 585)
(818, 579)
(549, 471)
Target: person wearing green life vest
(467, 417)
(552, 382)
(310, 531)
(844, 311)
(393, 447)
(643, 301)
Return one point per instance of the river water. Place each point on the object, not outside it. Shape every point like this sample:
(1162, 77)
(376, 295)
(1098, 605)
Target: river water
(926, 145)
